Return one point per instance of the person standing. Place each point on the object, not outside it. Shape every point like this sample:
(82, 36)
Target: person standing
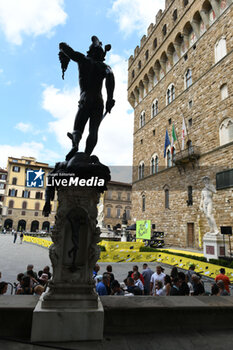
(157, 276)
(21, 237)
(147, 273)
(224, 278)
(15, 235)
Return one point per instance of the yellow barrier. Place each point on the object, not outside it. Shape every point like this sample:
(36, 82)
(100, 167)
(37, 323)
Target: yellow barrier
(39, 241)
(129, 252)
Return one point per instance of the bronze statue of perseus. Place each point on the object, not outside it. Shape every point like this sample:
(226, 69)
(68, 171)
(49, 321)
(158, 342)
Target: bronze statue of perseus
(92, 72)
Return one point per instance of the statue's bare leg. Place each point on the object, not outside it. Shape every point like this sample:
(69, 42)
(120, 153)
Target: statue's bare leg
(79, 125)
(94, 124)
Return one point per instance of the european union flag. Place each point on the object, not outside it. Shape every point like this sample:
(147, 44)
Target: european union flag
(167, 143)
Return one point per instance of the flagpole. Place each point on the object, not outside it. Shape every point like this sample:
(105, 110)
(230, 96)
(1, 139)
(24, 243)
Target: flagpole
(178, 142)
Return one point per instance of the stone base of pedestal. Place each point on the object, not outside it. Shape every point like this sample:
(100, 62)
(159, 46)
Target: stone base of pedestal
(214, 246)
(68, 324)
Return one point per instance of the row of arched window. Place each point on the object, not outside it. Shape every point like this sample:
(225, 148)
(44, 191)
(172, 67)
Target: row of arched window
(183, 41)
(24, 205)
(225, 137)
(166, 188)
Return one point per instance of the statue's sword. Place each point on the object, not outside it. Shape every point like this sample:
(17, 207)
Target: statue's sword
(104, 115)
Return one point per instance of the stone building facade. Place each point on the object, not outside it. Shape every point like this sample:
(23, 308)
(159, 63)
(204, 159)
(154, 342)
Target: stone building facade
(182, 73)
(22, 206)
(116, 200)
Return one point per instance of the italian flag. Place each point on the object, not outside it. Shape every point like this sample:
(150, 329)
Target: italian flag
(174, 138)
(184, 133)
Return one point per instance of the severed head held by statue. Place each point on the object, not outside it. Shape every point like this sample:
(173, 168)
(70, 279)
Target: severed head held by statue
(92, 72)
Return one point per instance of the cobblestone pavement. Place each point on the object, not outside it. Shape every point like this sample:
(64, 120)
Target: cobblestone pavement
(15, 257)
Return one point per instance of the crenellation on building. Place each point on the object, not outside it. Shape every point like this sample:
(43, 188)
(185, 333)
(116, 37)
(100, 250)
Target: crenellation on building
(187, 76)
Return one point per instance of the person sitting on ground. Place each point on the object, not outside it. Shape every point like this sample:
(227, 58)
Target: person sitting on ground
(174, 273)
(46, 270)
(224, 278)
(30, 268)
(25, 286)
(38, 290)
(34, 282)
(222, 290)
(198, 288)
(183, 288)
(157, 276)
(146, 273)
(108, 286)
(3, 287)
(175, 287)
(109, 271)
(101, 287)
(96, 270)
(159, 291)
(43, 280)
(167, 285)
(19, 279)
(137, 281)
(116, 288)
(215, 290)
(131, 288)
(190, 272)
(135, 269)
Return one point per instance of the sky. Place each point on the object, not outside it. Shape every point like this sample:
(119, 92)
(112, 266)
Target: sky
(38, 107)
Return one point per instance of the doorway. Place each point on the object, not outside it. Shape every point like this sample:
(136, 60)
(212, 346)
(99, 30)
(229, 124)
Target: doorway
(190, 235)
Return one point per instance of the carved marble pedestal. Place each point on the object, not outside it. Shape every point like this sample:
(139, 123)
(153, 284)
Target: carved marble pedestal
(70, 310)
(213, 246)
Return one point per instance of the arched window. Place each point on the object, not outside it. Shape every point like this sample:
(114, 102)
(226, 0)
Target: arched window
(220, 49)
(224, 91)
(190, 146)
(139, 65)
(170, 93)
(143, 202)
(166, 192)
(169, 159)
(226, 131)
(11, 204)
(155, 43)
(190, 196)
(24, 205)
(14, 181)
(154, 164)
(141, 171)
(173, 151)
(37, 206)
(185, 2)
(154, 108)
(142, 119)
(109, 214)
(147, 55)
(188, 78)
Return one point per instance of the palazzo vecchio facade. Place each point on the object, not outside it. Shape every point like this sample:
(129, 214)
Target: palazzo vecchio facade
(181, 74)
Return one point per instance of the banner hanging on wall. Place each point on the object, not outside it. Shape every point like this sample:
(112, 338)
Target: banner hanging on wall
(143, 229)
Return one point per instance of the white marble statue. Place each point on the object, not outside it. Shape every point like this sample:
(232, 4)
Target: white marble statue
(206, 204)
(100, 217)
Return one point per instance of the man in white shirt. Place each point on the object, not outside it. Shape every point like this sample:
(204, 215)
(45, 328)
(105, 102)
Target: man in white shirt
(157, 276)
(137, 281)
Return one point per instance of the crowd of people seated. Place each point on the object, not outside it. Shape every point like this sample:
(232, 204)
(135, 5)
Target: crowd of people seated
(158, 283)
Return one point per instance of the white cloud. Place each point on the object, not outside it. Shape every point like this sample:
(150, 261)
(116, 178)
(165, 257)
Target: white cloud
(30, 17)
(135, 15)
(31, 149)
(1, 70)
(24, 127)
(115, 140)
